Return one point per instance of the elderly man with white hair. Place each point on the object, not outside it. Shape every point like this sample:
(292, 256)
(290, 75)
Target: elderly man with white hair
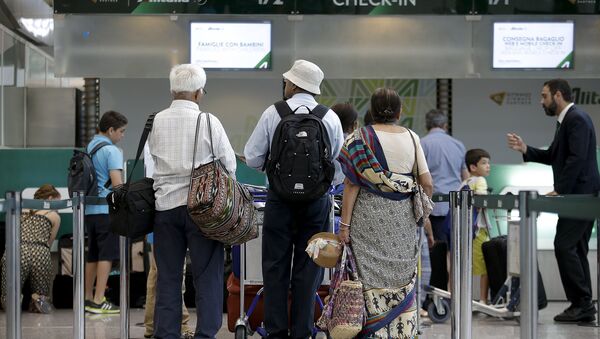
(171, 145)
(287, 225)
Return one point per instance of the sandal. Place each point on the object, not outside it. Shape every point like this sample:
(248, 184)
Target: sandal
(40, 304)
(187, 334)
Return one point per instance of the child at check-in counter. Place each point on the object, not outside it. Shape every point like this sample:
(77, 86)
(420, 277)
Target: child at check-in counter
(478, 164)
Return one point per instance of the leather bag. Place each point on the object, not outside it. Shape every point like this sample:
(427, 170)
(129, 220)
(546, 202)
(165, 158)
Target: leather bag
(131, 206)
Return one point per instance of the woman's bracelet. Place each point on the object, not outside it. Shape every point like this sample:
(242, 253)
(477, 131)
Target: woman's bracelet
(344, 224)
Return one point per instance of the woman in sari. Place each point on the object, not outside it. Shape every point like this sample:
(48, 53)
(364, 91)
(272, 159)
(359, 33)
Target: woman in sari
(380, 163)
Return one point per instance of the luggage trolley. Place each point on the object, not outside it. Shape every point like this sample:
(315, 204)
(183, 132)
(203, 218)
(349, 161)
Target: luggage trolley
(504, 307)
(249, 256)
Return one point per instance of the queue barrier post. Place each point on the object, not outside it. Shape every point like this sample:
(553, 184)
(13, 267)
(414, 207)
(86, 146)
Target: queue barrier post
(528, 265)
(13, 264)
(78, 264)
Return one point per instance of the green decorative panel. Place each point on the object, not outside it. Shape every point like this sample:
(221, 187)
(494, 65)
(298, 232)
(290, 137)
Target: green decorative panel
(418, 97)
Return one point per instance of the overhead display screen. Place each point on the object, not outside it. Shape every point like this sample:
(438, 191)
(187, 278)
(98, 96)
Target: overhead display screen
(547, 45)
(231, 45)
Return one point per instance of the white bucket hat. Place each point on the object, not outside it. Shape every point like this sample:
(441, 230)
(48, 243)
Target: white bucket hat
(305, 75)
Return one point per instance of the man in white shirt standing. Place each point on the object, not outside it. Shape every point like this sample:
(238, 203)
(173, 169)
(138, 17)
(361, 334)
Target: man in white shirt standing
(288, 226)
(171, 145)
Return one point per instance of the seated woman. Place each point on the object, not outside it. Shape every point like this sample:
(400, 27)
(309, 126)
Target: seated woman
(38, 230)
(381, 163)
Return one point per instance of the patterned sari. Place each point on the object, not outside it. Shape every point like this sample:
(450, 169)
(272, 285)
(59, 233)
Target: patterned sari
(383, 235)
(363, 162)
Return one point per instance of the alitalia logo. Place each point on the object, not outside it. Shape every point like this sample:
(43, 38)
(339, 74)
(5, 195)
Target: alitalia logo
(582, 97)
(199, 2)
(168, 1)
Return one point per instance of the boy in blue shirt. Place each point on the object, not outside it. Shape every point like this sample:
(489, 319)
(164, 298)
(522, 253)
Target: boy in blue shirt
(103, 245)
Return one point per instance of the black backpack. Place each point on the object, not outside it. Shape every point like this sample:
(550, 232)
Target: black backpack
(82, 174)
(299, 167)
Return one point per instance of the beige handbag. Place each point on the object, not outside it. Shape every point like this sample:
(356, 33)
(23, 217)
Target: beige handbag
(344, 313)
(422, 203)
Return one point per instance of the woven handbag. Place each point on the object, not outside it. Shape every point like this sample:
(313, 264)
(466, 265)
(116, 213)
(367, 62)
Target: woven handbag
(344, 314)
(219, 205)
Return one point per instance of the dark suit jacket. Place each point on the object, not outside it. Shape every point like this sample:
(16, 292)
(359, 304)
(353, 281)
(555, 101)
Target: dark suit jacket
(572, 155)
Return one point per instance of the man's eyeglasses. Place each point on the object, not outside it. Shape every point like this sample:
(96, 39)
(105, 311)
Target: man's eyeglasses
(203, 91)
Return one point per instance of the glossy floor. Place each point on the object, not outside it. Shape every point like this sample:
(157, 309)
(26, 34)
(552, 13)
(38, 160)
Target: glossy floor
(59, 326)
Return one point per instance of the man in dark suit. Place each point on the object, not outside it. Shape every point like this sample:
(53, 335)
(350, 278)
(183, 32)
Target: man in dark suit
(572, 155)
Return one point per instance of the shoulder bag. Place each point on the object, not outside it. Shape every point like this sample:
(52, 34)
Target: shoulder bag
(422, 203)
(131, 206)
(343, 315)
(219, 205)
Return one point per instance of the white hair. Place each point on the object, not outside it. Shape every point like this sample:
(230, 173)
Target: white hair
(187, 78)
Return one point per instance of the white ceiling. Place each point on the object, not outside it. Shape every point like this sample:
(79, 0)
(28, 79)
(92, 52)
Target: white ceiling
(35, 18)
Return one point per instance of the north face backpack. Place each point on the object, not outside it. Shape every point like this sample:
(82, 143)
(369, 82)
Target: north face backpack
(299, 167)
(82, 174)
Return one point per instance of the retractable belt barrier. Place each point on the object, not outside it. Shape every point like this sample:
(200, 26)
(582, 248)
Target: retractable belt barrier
(461, 204)
(12, 205)
(529, 205)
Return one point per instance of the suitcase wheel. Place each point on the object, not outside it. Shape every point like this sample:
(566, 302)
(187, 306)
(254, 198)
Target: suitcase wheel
(436, 315)
(240, 332)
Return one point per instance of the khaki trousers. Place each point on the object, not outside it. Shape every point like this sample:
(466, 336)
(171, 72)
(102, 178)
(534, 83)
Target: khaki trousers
(151, 299)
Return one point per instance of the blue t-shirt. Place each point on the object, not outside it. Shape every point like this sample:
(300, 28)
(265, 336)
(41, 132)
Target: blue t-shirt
(106, 159)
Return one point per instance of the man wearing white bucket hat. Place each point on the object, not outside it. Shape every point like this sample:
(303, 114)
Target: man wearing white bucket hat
(290, 221)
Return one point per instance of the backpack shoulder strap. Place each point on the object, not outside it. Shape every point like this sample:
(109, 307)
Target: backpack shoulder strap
(98, 147)
(319, 111)
(283, 109)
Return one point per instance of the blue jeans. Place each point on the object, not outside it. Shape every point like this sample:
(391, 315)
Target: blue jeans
(174, 233)
(287, 228)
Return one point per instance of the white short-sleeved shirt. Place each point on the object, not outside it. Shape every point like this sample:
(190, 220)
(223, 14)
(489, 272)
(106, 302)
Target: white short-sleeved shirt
(171, 145)
(399, 152)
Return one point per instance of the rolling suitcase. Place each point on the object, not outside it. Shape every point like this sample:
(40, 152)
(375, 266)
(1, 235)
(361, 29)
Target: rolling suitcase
(439, 270)
(62, 287)
(495, 255)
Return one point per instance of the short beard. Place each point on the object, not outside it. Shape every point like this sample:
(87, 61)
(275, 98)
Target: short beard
(550, 111)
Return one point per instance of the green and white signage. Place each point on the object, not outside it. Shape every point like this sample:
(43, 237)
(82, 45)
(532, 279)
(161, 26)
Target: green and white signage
(349, 7)
(231, 45)
(533, 45)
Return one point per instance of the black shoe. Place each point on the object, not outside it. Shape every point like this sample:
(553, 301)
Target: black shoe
(105, 307)
(574, 314)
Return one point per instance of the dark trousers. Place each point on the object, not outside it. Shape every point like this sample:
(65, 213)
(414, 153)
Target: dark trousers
(174, 233)
(438, 228)
(571, 249)
(287, 228)
(438, 254)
